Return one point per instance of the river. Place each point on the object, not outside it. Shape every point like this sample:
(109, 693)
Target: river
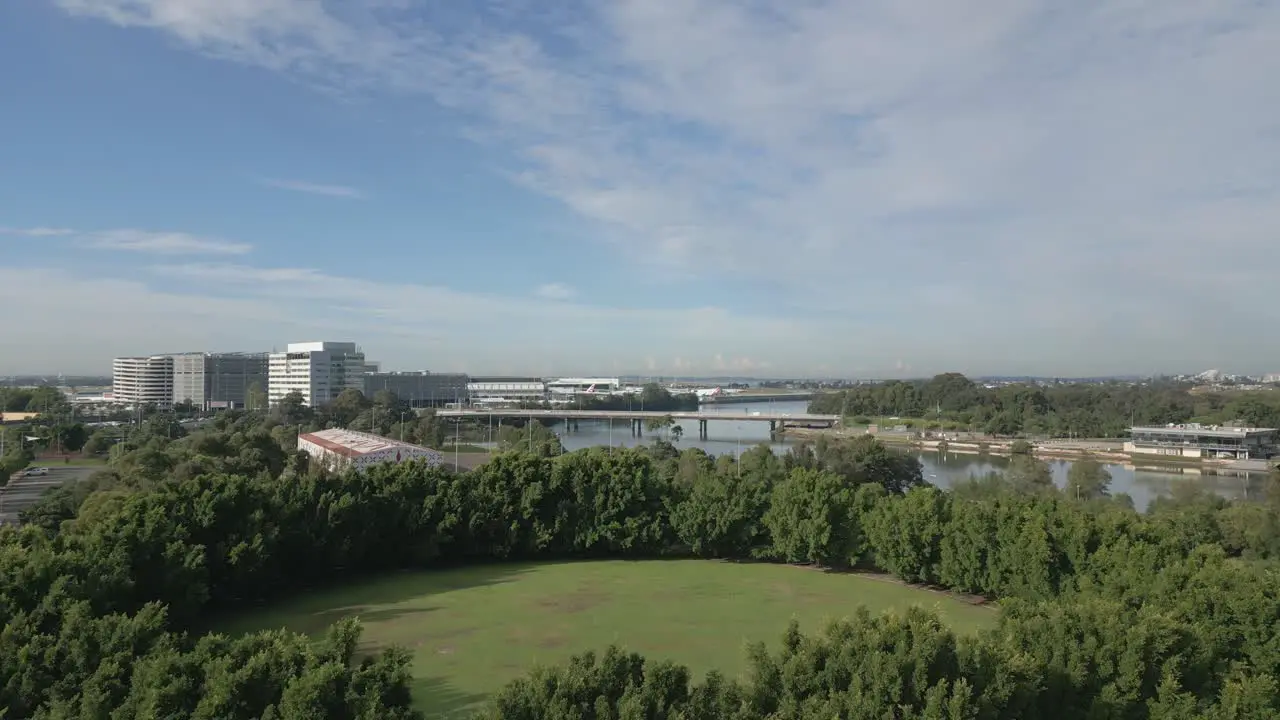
(941, 469)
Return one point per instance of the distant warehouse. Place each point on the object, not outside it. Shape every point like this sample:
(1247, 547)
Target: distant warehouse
(340, 449)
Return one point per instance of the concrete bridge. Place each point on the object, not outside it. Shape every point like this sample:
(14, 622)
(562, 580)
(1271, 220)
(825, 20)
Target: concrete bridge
(638, 418)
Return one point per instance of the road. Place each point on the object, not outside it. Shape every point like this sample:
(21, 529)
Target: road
(23, 492)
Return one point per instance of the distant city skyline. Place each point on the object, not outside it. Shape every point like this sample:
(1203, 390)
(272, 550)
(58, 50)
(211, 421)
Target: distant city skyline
(1268, 377)
(853, 188)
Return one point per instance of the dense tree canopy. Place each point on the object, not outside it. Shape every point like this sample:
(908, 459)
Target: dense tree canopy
(1081, 409)
(1104, 612)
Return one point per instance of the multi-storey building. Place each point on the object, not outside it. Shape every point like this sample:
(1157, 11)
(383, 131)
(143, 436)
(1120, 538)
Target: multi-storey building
(143, 380)
(318, 371)
(218, 380)
(419, 389)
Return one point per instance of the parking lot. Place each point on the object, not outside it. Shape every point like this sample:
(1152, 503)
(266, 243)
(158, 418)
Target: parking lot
(23, 492)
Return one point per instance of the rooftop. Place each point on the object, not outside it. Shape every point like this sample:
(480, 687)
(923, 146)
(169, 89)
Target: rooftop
(352, 444)
(1201, 430)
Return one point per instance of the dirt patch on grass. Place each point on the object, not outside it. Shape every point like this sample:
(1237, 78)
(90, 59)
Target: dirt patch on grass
(574, 602)
(551, 642)
(448, 634)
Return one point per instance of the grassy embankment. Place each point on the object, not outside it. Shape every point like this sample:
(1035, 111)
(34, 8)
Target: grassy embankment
(474, 629)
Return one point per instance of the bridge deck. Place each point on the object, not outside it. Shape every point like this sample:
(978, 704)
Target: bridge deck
(640, 415)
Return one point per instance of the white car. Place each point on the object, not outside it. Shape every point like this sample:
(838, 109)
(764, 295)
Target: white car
(36, 472)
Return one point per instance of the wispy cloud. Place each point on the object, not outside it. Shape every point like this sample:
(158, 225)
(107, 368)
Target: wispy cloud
(555, 291)
(134, 240)
(339, 191)
(36, 232)
(162, 243)
(1031, 165)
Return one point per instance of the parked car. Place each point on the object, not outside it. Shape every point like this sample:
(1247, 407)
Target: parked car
(35, 472)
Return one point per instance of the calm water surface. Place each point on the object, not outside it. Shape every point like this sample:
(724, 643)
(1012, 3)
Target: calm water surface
(941, 469)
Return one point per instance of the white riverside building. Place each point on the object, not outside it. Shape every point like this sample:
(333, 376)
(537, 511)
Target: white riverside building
(342, 449)
(143, 380)
(1203, 441)
(319, 371)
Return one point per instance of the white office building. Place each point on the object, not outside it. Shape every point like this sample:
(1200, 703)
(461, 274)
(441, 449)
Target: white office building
(143, 380)
(319, 371)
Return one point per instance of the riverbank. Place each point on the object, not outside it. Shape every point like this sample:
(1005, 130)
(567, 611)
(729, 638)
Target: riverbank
(1103, 450)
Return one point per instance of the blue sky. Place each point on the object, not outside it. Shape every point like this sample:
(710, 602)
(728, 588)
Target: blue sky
(852, 188)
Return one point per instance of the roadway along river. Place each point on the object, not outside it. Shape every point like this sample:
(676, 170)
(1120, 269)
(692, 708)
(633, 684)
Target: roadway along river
(940, 469)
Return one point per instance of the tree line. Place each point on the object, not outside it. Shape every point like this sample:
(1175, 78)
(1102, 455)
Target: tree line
(107, 592)
(952, 401)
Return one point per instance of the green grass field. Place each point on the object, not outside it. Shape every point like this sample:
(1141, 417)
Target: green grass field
(474, 629)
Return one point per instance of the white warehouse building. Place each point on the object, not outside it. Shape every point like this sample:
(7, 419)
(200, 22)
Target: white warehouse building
(319, 371)
(505, 390)
(341, 449)
(584, 386)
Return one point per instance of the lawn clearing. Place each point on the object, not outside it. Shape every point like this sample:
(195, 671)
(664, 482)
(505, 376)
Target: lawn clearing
(473, 629)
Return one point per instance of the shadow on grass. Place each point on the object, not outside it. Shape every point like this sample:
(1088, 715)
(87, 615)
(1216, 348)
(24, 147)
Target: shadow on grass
(439, 699)
(368, 616)
(373, 599)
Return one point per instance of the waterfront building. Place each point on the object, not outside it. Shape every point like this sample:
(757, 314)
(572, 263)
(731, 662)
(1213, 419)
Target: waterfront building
(341, 449)
(419, 389)
(218, 380)
(500, 390)
(319, 371)
(1203, 441)
(143, 380)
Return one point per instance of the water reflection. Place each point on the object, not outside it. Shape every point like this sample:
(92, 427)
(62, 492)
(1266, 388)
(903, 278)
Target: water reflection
(1143, 484)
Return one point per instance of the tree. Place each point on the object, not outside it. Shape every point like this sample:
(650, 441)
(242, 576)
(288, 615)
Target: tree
(534, 437)
(430, 430)
(99, 442)
(1030, 475)
(676, 433)
(255, 398)
(292, 410)
(722, 514)
(660, 424)
(347, 406)
(810, 519)
(71, 437)
(1087, 479)
(14, 459)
